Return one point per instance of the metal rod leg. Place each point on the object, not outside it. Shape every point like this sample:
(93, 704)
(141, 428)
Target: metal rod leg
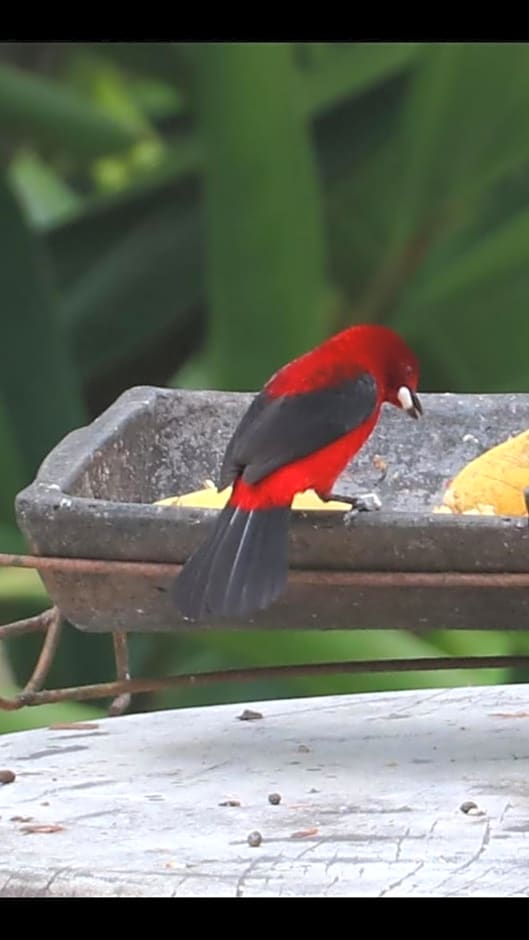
(47, 653)
(30, 625)
(121, 655)
(49, 620)
(197, 680)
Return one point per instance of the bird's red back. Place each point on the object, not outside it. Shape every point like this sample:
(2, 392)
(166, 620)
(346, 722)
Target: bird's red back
(372, 348)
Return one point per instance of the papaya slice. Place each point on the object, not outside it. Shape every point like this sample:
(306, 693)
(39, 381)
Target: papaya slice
(492, 484)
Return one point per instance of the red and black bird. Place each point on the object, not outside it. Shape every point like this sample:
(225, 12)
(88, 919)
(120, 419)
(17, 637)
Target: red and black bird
(299, 433)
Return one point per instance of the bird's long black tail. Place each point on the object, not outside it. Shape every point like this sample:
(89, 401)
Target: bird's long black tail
(241, 568)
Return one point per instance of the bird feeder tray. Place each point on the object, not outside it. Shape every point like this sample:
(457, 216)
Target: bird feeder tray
(403, 567)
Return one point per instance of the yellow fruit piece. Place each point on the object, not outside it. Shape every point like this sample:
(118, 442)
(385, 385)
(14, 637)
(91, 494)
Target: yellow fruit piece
(492, 484)
(210, 498)
(311, 500)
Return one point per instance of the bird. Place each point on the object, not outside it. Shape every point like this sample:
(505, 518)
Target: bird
(299, 432)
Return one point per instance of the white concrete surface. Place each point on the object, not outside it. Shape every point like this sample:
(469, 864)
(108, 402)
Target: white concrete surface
(371, 789)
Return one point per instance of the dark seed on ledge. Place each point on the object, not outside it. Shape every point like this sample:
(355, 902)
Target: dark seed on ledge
(467, 806)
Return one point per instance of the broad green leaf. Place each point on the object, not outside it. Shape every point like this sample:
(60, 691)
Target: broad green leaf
(105, 85)
(335, 71)
(194, 375)
(357, 155)
(102, 220)
(265, 242)
(467, 642)
(496, 256)
(11, 540)
(46, 198)
(102, 82)
(156, 99)
(464, 126)
(11, 478)
(145, 282)
(7, 681)
(481, 292)
(480, 335)
(38, 383)
(42, 111)
(350, 68)
(20, 586)
(85, 238)
(170, 61)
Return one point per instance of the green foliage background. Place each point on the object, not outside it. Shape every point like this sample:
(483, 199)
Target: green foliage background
(197, 215)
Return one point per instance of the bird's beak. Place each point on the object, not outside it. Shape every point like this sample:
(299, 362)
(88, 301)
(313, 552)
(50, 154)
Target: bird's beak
(409, 401)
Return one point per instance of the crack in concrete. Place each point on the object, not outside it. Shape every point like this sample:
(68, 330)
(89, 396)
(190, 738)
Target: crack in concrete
(400, 881)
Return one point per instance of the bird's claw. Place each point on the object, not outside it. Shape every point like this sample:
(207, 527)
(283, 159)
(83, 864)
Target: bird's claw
(365, 502)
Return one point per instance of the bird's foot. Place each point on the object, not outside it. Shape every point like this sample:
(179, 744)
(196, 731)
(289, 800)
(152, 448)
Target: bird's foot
(364, 502)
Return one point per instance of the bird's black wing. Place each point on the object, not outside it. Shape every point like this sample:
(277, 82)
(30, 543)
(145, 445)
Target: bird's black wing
(276, 431)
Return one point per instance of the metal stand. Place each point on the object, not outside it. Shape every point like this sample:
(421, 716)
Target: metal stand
(51, 621)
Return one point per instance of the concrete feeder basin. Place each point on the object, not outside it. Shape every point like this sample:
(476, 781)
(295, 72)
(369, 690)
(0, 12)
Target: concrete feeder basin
(93, 498)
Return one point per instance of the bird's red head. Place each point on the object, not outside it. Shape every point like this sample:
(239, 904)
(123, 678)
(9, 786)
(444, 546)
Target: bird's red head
(370, 348)
(385, 354)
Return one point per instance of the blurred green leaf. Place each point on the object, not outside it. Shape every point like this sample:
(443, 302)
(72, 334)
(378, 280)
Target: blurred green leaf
(480, 292)
(454, 331)
(173, 62)
(351, 68)
(11, 540)
(46, 112)
(156, 99)
(266, 254)
(76, 244)
(20, 585)
(495, 257)
(38, 382)
(11, 476)
(467, 643)
(46, 198)
(464, 125)
(105, 85)
(102, 82)
(147, 280)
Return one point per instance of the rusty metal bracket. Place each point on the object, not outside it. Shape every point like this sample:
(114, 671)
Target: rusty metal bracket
(50, 622)
(126, 687)
(406, 579)
(121, 655)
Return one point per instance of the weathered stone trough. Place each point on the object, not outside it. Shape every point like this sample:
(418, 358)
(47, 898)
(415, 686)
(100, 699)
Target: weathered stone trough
(93, 498)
